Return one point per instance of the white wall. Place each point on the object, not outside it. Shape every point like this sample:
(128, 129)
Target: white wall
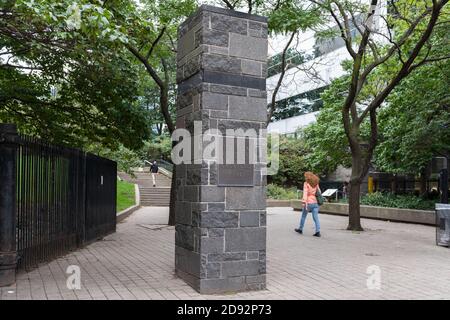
(290, 125)
(320, 72)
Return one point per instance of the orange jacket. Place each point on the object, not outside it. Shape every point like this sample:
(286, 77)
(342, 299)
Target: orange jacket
(309, 193)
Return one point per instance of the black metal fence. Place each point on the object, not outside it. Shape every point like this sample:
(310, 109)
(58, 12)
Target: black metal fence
(100, 182)
(65, 198)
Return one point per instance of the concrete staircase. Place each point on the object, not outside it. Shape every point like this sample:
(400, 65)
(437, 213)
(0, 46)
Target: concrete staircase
(144, 179)
(158, 196)
(155, 196)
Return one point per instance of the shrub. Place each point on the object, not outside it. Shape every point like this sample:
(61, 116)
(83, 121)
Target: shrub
(158, 147)
(397, 201)
(291, 162)
(282, 193)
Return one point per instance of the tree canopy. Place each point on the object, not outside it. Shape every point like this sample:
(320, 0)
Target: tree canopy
(60, 85)
(415, 124)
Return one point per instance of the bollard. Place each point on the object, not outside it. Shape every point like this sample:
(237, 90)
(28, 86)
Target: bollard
(8, 166)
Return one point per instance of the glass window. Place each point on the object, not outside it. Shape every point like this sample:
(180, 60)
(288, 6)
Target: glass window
(303, 103)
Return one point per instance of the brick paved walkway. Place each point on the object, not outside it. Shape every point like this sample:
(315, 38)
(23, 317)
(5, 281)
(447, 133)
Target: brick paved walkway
(137, 263)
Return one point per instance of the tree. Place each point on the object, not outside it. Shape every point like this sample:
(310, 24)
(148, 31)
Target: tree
(150, 100)
(146, 29)
(126, 159)
(58, 86)
(406, 44)
(412, 126)
(292, 164)
(420, 128)
(151, 41)
(325, 139)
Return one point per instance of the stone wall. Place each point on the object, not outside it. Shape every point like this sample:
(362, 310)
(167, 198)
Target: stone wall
(381, 213)
(221, 208)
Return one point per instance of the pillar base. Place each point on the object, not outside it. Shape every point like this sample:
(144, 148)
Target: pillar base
(8, 263)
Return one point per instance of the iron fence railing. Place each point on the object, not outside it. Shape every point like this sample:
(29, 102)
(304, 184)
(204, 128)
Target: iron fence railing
(64, 199)
(166, 165)
(161, 164)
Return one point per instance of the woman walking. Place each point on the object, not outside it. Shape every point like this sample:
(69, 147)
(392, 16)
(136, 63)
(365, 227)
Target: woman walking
(309, 202)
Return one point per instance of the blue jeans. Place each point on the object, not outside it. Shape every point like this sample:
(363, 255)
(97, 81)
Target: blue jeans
(314, 208)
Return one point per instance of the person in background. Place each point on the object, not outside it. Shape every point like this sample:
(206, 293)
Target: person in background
(309, 202)
(345, 190)
(154, 170)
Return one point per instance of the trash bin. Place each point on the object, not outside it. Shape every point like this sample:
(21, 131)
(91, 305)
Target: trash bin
(443, 224)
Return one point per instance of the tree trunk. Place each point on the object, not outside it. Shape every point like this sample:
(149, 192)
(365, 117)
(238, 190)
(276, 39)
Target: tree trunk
(354, 215)
(394, 184)
(164, 107)
(173, 190)
(173, 197)
(423, 182)
(164, 101)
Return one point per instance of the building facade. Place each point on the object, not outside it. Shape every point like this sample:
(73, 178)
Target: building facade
(313, 63)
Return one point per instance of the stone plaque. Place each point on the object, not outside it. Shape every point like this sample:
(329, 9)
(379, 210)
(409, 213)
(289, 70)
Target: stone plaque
(235, 175)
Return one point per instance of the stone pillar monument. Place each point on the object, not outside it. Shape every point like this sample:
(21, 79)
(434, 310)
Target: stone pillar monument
(220, 241)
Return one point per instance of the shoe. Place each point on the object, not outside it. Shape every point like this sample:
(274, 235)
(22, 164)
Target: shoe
(154, 185)
(317, 234)
(299, 231)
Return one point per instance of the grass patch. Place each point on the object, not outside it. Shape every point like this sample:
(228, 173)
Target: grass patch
(125, 195)
(282, 193)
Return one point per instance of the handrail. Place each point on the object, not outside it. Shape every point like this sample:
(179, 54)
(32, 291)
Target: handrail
(163, 164)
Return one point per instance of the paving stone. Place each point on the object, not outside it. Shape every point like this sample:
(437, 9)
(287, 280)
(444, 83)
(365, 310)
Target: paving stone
(298, 266)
